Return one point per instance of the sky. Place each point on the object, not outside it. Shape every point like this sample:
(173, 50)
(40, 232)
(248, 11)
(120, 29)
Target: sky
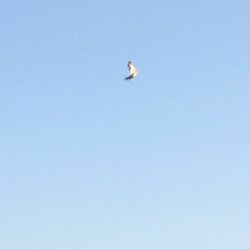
(89, 160)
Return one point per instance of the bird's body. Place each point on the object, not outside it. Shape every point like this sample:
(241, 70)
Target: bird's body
(132, 70)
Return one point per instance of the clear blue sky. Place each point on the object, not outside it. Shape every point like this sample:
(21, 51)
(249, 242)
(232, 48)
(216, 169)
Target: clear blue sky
(91, 161)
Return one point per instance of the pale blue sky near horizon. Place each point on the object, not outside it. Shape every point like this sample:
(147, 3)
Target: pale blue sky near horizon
(91, 161)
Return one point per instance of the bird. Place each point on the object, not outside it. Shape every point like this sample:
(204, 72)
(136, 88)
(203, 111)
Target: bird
(132, 70)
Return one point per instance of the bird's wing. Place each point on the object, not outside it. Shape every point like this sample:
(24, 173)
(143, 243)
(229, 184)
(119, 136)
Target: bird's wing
(129, 77)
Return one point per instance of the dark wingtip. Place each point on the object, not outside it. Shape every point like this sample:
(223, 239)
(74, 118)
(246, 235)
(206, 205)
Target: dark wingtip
(128, 78)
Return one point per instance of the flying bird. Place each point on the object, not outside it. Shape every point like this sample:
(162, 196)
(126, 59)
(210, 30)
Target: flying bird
(133, 71)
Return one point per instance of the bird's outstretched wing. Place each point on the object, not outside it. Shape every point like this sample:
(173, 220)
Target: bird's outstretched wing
(132, 70)
(129, 77)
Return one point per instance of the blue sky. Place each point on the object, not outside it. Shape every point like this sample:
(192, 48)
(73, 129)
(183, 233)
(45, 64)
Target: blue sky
(91, 161)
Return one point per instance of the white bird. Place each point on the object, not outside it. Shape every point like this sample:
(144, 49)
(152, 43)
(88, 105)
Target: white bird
(132, 70)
